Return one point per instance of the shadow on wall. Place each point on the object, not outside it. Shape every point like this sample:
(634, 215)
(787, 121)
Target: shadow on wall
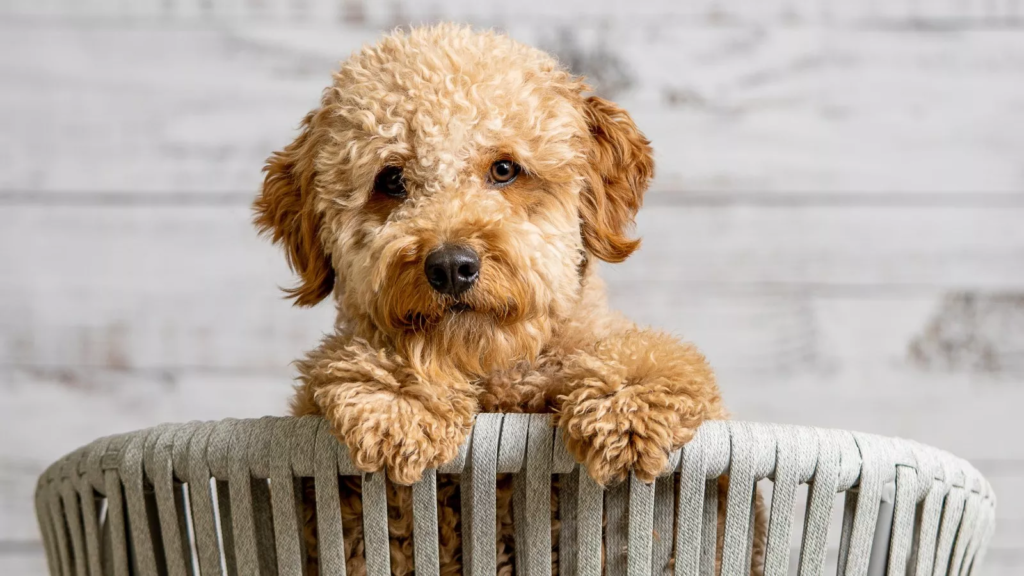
(973, 332)
(604, 70)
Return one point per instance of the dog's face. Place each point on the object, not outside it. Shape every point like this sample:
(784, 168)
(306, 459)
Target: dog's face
(449, 191)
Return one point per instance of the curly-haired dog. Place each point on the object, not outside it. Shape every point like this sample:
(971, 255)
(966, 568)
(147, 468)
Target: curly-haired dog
(452, 192)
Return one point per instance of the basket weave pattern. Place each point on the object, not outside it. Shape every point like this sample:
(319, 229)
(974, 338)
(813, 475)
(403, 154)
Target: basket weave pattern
(223, 496)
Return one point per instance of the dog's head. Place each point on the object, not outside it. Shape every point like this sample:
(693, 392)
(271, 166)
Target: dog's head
(449, 191)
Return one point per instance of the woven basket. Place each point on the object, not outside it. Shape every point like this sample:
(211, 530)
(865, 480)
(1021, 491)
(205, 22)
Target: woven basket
(144, 503)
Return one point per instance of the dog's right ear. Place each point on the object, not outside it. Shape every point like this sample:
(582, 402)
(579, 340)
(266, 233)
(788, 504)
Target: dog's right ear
(620, 167)
(285, 209)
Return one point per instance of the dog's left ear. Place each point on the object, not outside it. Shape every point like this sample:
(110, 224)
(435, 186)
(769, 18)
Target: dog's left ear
(285, 210)
(620, 168)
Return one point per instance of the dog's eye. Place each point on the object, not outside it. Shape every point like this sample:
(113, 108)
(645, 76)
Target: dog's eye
(504, 171)
(389, 182)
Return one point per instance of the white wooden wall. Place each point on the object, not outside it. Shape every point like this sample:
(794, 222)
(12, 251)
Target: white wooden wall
(838, 218)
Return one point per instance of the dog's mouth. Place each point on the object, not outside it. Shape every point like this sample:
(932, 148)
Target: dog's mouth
(419, 322)
(458, 308)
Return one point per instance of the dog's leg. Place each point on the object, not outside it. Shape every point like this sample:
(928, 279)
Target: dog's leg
(631, 400)
(391, 414)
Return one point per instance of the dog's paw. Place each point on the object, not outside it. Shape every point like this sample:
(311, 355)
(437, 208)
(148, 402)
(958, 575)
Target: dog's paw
(399, 435)
(632, 400)
(612, 435)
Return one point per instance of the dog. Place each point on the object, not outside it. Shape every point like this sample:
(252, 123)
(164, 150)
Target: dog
(453, 193)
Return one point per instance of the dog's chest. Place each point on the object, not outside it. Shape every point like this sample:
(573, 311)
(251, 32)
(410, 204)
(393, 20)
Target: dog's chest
(529, 389)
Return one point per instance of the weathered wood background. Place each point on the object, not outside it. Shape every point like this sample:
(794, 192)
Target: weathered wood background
(838, 218)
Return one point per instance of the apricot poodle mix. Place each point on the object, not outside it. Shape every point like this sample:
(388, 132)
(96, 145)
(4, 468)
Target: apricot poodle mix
(452, 192)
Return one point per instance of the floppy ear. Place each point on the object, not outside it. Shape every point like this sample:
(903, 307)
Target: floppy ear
(620, 168)
(285, 210)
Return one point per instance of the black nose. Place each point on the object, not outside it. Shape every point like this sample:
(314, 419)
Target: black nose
(452, 269)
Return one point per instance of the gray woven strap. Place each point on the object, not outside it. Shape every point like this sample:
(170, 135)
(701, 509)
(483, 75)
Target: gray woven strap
(874, 475)
(664, 518)
(537, 544)
(616, 502)
(159, 469)
(88, 500)
(217, 449)
(72, 512)
(226, 495)
(568, 490)
(46, 528)
(819, 504)
(753, 458)
(330, 535)
(375, 525)
(795, 463)
(902, 520)
(640, 547)
(246, 499)
(116, 526)
(283, 492)
(589, 514)
(201, 500)
(479, 519)
(952, 516)
(424, 516)
(690, 504)
(564, 466)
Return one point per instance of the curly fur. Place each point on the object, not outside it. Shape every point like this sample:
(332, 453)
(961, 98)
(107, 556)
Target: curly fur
(407, 368)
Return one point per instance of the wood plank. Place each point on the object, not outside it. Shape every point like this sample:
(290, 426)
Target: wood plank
(970, 417)
(832, 247)
(164, 110)
(382, 14)
(152, 287)
(163, 287)
(33, 563)
(765, 109)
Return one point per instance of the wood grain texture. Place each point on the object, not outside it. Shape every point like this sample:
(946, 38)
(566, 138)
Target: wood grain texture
(132, 107)
(164, 287)
(702, 12)
(29, 563)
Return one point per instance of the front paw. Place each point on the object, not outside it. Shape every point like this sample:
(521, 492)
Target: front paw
(399, 435)
(634, 399)
(612, 435)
